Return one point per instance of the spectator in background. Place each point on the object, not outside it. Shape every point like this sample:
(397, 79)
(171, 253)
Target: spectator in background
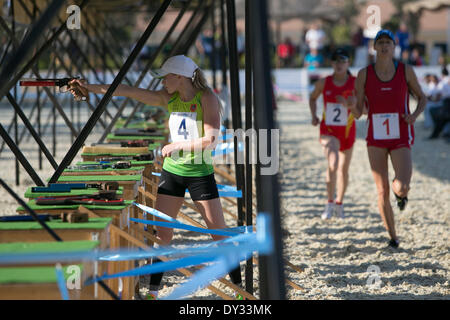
(358, 38)
(303, 46)
(240, 43)
(433, 99)
(405, 57)
(441, 114)
(313, 59)
(415, 59)
(285, 53)
(204, 45)
(402, 37)
(315, 37)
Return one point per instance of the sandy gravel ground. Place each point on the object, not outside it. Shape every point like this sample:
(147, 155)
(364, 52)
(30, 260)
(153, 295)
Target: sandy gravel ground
(342, 259)
(337, 254)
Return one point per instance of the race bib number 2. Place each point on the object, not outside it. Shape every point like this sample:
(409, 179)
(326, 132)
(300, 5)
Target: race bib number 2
(386, 126)
(183, 126)
(336, 115)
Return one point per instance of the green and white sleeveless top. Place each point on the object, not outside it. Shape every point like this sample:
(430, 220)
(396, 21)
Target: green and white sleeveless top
(185, 124)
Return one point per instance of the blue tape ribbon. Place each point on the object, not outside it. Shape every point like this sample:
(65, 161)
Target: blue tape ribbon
(60, 280)
(226, 137)
(174, 225)
(224, 264)
(161, 215)
(164, 216)
(156, 268)
(121, 255)
(226, 148)
(241, 252)
(250, 242)
(155, 212)
(228, 193)
(225, 187)
(202, 278)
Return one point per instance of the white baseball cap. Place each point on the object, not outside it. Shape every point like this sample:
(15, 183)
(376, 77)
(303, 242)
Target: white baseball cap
(180, 65)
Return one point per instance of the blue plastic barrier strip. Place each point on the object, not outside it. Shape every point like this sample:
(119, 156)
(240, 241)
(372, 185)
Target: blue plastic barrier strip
(219, 232)
(60, 280)
(202, 278)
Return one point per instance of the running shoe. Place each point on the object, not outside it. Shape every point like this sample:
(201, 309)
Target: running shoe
(328, 213)
(339, 211)
(394, 243)
(401, 202)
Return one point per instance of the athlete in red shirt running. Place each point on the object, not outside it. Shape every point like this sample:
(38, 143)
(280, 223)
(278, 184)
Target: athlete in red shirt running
(384, 87)
(337, 129)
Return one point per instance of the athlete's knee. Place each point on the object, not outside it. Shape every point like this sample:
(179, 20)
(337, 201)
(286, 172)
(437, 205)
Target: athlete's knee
(333, 161)
(400, 188)
(343, 173)
(333, 165)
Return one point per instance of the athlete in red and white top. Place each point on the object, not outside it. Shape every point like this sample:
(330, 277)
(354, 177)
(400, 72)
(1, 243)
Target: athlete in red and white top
(337, 128)
(384, 87)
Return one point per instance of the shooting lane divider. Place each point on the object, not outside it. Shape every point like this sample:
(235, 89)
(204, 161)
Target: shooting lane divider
(261, 242)
(247, 243)
(116, 255)
(219, 232)
(178, 225)
(159, 214)
(225, 262)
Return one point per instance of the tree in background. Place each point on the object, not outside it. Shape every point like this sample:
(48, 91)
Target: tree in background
(412, 20)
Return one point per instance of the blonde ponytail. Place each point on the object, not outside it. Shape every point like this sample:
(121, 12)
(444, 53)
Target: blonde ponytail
(199, 82)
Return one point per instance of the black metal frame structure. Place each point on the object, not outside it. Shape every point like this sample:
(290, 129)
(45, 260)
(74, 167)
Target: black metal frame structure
(258, 99)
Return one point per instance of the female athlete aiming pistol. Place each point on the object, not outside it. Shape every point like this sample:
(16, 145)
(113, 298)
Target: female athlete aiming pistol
(194, 126)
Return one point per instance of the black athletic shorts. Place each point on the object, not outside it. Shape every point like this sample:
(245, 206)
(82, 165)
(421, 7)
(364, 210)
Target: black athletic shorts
(200, 188)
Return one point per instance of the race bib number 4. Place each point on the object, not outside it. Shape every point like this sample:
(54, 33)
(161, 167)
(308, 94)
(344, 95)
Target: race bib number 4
(183, 126)
(386, 126)
(336, 115)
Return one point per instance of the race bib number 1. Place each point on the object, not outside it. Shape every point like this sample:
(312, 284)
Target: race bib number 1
(183, 126)
(386, 126)
(336, 115)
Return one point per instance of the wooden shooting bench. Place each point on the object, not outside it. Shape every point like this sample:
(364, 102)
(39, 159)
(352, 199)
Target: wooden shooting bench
(96, 229)
(39, 281)
(129, 183)
(154, 141)
(140, 125)
(135, 164)
(74, 192)
(120, 220)
(118, 213)
(106, 172)
(95, 153)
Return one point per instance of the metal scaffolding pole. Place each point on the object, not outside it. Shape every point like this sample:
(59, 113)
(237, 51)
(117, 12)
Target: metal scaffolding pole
(47, 90)
(248, 141)
(108, 95)
(175, 50)
(19, 55)
(83, 56)
(20, 157)
(270, 266)
(143, 73)
(235, 101)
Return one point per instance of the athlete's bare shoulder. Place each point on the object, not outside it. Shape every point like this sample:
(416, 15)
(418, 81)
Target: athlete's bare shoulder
(361, 78)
